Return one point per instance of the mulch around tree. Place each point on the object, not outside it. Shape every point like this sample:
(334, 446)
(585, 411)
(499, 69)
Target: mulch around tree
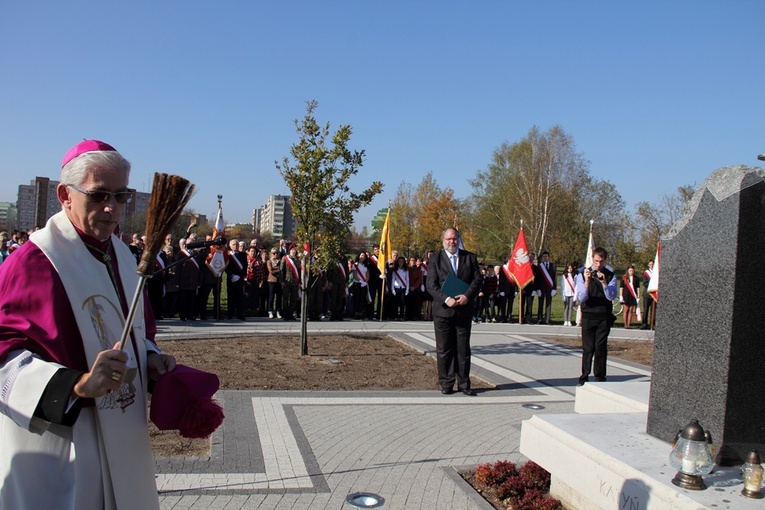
(333, 363)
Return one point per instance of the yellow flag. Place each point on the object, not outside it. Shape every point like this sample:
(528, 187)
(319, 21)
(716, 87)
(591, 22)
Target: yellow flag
(385, 249)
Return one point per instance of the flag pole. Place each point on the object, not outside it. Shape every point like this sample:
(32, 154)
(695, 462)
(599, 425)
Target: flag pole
(587, 261)
(520, 302)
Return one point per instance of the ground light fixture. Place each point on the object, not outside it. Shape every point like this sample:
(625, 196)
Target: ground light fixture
(691, 457)
(752, 473)
(364, 500)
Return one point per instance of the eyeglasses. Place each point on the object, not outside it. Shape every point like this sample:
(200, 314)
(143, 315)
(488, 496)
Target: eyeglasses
(99, 196)
(452, 239)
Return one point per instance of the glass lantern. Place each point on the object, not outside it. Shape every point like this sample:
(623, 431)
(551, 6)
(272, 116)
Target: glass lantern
(691, 457)
(752, 473)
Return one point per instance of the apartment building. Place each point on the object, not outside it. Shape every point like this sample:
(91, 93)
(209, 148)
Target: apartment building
(276, 217)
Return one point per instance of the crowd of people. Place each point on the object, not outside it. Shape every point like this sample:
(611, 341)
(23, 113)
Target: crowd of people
(264, 282)
(10, 243)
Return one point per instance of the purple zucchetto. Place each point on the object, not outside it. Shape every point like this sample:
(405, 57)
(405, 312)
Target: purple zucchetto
(83, 147)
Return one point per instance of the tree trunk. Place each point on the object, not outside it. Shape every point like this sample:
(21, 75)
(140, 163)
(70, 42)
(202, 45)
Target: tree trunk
(304, 306)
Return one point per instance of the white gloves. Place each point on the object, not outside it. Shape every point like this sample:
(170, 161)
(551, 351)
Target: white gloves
(422, 288)
(553, 292)
(235, 278)
(502, 294)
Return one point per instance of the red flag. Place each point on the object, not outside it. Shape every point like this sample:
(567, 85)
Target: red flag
(518, 266)
(653, 285)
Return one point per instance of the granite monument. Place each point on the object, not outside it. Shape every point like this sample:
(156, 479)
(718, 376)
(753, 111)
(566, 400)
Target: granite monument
(710, 324)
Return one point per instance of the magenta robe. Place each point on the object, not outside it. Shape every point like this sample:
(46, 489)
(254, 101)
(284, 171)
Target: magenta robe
(35, 313)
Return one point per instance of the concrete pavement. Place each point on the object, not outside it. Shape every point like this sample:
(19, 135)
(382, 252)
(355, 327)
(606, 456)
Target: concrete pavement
(290, 450)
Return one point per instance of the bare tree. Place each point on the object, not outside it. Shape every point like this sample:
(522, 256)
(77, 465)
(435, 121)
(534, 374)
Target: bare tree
(652, 220)
(543, 181)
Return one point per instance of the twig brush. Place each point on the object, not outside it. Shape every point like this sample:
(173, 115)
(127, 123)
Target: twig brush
(169, 196)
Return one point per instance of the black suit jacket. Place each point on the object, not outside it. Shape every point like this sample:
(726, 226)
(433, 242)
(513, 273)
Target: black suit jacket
(540, 277)
(236, 269)
(439, 267)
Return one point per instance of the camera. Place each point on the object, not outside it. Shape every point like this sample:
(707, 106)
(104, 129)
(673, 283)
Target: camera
(594, 273)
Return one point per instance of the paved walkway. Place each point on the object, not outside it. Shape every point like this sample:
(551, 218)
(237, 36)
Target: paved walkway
(294, 450)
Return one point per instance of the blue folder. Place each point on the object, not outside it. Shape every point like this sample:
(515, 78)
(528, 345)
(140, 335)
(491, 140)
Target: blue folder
(453, 286)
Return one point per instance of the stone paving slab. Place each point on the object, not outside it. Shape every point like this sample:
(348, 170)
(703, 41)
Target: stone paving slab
(285, 450)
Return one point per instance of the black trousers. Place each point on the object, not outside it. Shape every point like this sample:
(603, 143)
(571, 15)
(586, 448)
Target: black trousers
(509, 302)
(235, 295)
(528, 308)
(203, 295)
(453, 351)
(649, 308)
(156, 286)
(399, 298)
(545, 303)
(187, 303)
(595, 330)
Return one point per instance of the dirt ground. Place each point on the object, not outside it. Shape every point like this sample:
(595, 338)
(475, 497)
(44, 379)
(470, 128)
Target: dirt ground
(334, 363)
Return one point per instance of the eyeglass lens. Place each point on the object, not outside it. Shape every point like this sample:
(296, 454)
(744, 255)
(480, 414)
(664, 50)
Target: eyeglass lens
(121, 197)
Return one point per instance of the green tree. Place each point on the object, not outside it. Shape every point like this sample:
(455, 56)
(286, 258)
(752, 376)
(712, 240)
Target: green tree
(241, 232)
(545, 183)
(323, 204)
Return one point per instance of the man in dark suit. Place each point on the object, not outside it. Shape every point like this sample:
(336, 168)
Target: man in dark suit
(595, 289)
(507, 290)
(235, 273)
(452, 314)
(649, 305)
(188, 279)
(531, 290)
(547, 287)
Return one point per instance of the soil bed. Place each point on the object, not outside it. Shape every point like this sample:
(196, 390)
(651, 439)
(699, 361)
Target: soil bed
(334, 363)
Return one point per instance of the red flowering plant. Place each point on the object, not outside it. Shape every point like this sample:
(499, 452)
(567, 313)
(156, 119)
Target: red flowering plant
(509, 487)
(535, 476)
(491, 475)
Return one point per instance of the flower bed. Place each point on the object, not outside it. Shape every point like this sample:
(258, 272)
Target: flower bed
(506, 486)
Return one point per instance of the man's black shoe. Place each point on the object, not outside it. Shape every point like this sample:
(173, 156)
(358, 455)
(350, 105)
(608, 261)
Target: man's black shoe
(644, 326)
(600, 379)
(469, 392)
(447, 391)
(581, 382)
